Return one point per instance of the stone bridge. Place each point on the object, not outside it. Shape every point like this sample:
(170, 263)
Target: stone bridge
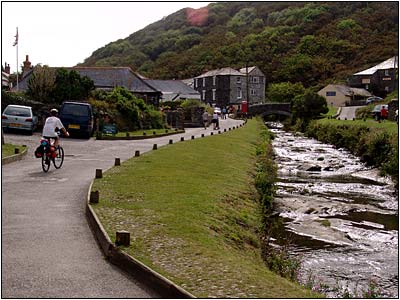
(267, 109)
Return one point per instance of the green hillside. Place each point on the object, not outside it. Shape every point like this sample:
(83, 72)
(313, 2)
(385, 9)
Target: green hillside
(311, 42)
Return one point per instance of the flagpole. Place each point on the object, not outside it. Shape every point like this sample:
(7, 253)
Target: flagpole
(17, 64)
(16, 44)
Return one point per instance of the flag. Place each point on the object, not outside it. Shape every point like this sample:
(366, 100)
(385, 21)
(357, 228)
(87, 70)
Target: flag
(16, 38)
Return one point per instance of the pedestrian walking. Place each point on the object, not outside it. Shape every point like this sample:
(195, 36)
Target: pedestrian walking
(215, 121)
(224, 113)
(384, 113)
(205, 118)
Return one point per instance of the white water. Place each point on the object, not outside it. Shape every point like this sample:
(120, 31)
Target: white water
(343, 216)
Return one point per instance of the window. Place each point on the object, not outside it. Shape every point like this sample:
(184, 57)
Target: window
(386, 72)
(204, 95)
(204, 81)
(239, 93)
(255, 79)
(253, 92)
(214, 80)
(238, 79)
(213, 95)
(331, 94)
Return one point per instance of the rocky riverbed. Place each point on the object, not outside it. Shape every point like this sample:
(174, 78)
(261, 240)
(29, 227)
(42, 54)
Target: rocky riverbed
(340, 217)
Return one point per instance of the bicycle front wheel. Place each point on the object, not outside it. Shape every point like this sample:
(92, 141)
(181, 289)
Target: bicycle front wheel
(45, 163)
(59, 159)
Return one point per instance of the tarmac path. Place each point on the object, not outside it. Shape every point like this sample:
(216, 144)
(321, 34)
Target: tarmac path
(348, 112)
(48, 249)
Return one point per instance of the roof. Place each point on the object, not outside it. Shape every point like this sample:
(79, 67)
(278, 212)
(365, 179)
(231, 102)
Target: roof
(223, 71)
(171, 86)
(391, 63)
(109, 77)
(249, 69)
(106, 78)
(349, 91)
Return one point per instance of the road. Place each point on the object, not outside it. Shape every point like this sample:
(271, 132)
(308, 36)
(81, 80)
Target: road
(348, 112)
(48, 250)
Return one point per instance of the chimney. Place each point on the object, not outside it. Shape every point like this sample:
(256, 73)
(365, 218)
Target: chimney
(27, 66)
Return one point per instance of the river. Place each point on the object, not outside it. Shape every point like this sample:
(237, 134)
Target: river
(339, 216)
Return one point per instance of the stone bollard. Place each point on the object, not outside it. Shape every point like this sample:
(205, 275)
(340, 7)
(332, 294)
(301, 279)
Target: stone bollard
(155, 147)
(16, 150)
(122, 238)
(117, 161)
(99, 173)
(171, 141)
(182, 139)
(137, 153)
(94, 197)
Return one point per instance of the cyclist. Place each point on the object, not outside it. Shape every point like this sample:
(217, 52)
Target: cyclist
(52, 124)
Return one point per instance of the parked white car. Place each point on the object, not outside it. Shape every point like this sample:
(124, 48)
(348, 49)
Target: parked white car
(217, 110)
(19, 117)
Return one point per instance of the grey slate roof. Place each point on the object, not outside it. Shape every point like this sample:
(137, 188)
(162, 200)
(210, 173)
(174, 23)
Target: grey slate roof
(171, 86)
(223, 71)
(249, 69)
(349, 91)
(109, 77)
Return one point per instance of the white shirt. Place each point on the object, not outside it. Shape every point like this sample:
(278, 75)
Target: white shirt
(49, 128)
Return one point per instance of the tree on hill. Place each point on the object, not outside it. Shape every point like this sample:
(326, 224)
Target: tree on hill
(307, 42)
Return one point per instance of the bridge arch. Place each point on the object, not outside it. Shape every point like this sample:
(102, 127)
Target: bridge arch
(276, 112)
(267, 109)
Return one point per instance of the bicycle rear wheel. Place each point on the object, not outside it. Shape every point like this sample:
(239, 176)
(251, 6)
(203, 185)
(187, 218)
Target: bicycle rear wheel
(45, 163)
(59, 159)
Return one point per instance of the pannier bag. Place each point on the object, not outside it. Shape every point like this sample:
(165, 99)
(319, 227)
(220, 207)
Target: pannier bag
(39, 152)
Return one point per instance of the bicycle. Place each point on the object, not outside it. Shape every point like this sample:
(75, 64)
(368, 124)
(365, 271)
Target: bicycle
(56, 156)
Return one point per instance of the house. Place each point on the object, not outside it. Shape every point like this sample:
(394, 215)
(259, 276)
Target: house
(172, 90)
(228, 87)
(379, 80)
(107, 78)
(5, 77)
(256, 83)
(339, 95)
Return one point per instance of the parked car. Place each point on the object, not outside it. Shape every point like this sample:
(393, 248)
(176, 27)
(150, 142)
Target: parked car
(217, 110)
(77, 118)
(376, 112)
(19, 117)
(373, 99)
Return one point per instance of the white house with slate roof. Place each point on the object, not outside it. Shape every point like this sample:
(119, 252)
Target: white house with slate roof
(337, 95)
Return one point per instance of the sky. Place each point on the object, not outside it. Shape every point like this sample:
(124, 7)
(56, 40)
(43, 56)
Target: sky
(63, 34)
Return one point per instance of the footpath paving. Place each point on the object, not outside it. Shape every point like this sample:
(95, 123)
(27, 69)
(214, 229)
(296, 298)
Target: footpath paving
(48, 249)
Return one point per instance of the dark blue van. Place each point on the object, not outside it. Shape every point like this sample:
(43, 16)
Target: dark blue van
(77, 117)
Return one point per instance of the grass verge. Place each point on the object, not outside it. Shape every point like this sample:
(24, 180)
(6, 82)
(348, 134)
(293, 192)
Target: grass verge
(9, 149)
(192, 216)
